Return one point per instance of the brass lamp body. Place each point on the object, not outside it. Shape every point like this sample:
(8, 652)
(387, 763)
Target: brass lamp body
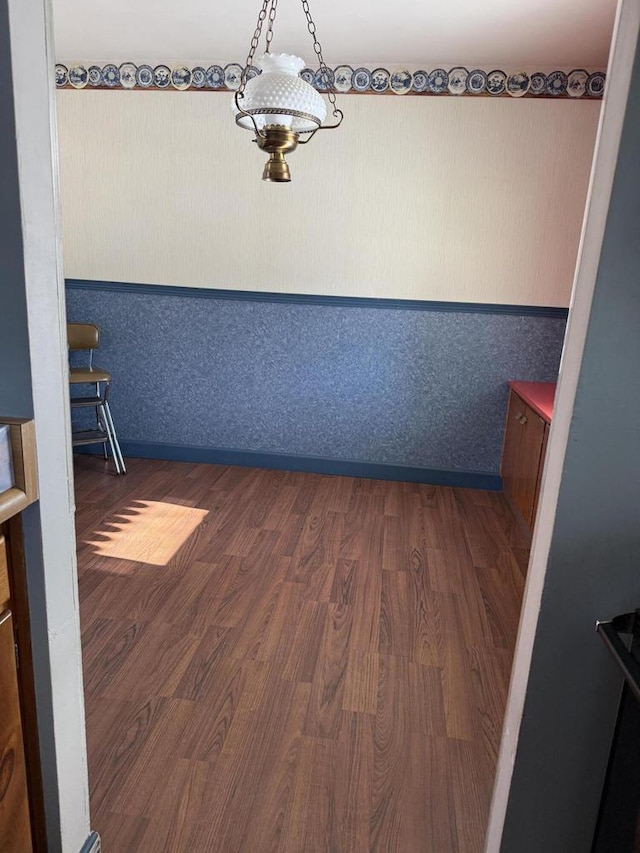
(277, 140)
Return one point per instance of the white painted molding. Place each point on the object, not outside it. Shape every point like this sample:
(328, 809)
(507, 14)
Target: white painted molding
(35, 111)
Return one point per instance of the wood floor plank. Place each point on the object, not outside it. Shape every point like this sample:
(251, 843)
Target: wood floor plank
(116, 745)
(327, 692)
(280, 509)
(392, 547)
(123, 832)
(471, 780)
(154, 665)
(259, 622)
(197, 676)
(397, 612)
(174, 816)
(215, 710)
(275, 784)
(490, 691)
(390, 824)
(192, 606)
(145, 779)
(105, 644)
(428, 718)
(319, 664)
(361, 682)
(459, 701)
(300, 660)
(434, 801)
(366, 607)
(426, 619)
(271, 739)
(314, 559)
(500, 597)
(298, 818)
(251, 575)
(344, 582)
(354, 768)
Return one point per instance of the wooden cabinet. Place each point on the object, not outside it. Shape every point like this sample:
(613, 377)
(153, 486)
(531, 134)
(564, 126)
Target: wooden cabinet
(15, 822)
(22, 828)
(525, 441)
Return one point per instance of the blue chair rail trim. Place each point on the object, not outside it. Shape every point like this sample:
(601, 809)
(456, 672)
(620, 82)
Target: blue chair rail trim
(307, 464)
(308, 299)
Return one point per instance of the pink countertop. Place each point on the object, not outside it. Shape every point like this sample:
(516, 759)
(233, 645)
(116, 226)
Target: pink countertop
(539, 395)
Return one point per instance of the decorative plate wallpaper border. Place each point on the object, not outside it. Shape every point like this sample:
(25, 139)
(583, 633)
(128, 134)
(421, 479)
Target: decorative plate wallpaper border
(343, 79)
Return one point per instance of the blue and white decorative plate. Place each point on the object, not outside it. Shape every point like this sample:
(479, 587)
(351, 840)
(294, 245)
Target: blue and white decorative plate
(233, 76)
(458, 81)
(577, 83)
(476, 81)
(518, 84)
(380, 79)
(361, 80)
(78, 76)
(110, 75)
(62, 75)
(343, 77)
(253, 72)
(401, 81)
(595, 84)
(128, 75)
(144, 76)
(95, 75)
(161, 76)
(496, 82)
(438, 81)
(308, 75)
(420, 81)
(198, 77)
(215, 77)
(324, 80)
(538, 83)
(557, 83)
(181, 77)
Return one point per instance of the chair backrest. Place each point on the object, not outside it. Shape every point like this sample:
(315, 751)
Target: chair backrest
(83, 336)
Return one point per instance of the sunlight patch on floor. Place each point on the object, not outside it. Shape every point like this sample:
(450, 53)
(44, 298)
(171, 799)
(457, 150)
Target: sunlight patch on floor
(146, 532)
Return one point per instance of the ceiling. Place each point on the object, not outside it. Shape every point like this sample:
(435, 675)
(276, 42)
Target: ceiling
(510, 34)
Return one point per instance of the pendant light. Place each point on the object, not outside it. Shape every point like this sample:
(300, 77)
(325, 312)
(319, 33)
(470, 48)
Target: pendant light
(278, 105)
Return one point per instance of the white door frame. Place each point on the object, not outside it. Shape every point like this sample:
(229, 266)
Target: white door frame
(32, 62)
(625, 38)
(53, 595)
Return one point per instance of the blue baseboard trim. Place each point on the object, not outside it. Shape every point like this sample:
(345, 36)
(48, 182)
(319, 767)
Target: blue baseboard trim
(309, 299)
(307, 464)
(92, 844)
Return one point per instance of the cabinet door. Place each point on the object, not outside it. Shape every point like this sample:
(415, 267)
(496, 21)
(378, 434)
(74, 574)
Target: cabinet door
(524, 435)
(543, 453)
(15, 832)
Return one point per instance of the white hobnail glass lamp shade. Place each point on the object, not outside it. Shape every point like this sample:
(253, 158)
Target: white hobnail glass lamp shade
(280, 87)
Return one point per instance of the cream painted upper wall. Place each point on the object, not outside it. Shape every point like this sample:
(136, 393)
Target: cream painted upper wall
(455, 199)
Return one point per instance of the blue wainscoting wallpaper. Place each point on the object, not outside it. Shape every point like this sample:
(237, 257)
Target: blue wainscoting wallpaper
(321, 383)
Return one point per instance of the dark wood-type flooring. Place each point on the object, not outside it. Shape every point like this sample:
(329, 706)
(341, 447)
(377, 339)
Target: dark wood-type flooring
(292, 662)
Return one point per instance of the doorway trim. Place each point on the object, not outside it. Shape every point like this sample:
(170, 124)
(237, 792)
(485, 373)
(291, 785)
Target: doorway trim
(621, 59)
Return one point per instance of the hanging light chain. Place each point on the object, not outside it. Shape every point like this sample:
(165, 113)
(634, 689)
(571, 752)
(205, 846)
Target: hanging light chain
(268, 10)
(272, 17)
(324, 71)
(262, 16)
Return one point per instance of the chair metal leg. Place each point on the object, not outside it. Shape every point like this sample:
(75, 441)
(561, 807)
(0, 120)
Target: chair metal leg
(99, 423)
(115, 446)
(107, 428)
